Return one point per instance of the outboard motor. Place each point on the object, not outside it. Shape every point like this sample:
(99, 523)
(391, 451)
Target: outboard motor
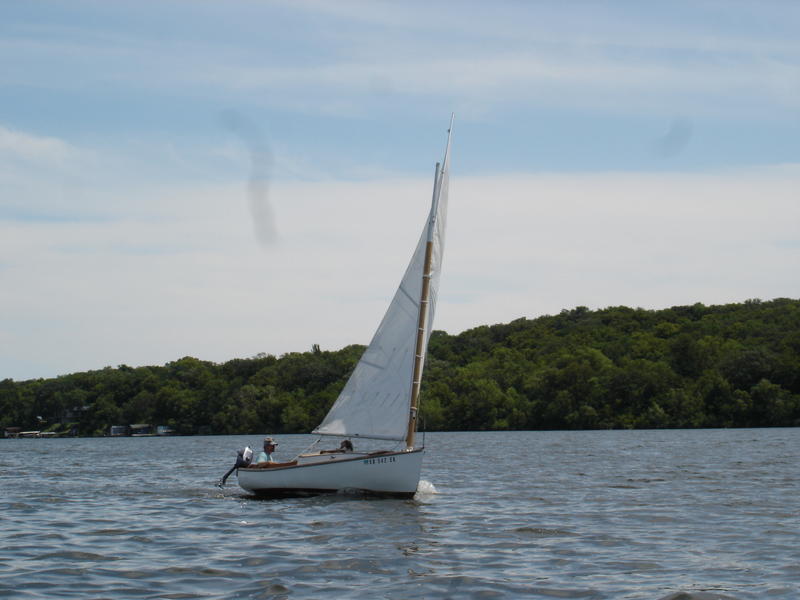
(244, 457)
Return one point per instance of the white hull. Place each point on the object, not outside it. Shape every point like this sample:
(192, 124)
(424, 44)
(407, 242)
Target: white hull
(391, 473)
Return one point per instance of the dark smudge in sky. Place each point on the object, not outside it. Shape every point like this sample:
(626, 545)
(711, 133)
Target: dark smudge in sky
(260, 169)
(675, 140)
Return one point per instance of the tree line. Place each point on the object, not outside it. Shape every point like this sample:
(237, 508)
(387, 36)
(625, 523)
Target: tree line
(734, 365)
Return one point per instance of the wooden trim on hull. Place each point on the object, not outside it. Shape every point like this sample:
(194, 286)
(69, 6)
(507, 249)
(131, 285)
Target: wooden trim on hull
(335, 459)
(296, 465)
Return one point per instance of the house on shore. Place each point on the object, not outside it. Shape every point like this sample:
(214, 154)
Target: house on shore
(142, 430)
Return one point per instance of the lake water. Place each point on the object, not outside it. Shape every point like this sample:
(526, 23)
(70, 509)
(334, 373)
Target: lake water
(600, 515)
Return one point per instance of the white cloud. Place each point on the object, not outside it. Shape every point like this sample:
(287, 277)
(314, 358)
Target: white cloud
(650, 240)
(575, 79)
(190, 278)
(19, 145)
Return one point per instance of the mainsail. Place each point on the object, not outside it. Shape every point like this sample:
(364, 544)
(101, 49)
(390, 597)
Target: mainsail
(376, 400)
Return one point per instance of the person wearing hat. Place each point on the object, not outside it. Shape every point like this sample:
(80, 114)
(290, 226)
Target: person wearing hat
(269, 448)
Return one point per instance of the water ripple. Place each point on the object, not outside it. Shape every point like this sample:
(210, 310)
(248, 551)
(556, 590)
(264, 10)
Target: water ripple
(72, 555)
(675, 515)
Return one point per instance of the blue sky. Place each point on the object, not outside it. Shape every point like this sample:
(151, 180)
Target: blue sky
(221, 179)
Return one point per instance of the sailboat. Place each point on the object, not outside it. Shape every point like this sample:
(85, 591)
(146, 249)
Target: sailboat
(380, 401)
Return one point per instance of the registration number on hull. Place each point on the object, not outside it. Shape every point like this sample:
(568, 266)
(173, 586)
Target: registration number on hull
(379, 460)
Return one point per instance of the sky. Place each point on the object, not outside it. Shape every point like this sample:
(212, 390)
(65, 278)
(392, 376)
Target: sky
(221, 179)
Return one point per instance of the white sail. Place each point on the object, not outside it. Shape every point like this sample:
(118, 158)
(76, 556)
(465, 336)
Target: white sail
(375, 402)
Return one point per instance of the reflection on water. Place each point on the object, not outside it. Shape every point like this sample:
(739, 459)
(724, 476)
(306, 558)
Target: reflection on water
(601, 515)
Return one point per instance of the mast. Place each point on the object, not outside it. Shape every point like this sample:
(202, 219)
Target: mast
(419, 354)
(442, 174)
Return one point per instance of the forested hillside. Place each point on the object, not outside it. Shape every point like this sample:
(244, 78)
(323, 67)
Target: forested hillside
(736, 365)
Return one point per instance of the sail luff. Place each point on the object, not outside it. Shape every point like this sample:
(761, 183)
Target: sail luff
(445, 167)
(426, 304)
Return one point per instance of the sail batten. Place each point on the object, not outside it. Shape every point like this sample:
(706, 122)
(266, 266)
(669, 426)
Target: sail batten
(391, 366)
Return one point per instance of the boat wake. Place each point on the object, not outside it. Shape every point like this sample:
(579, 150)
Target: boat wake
(426, 488)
